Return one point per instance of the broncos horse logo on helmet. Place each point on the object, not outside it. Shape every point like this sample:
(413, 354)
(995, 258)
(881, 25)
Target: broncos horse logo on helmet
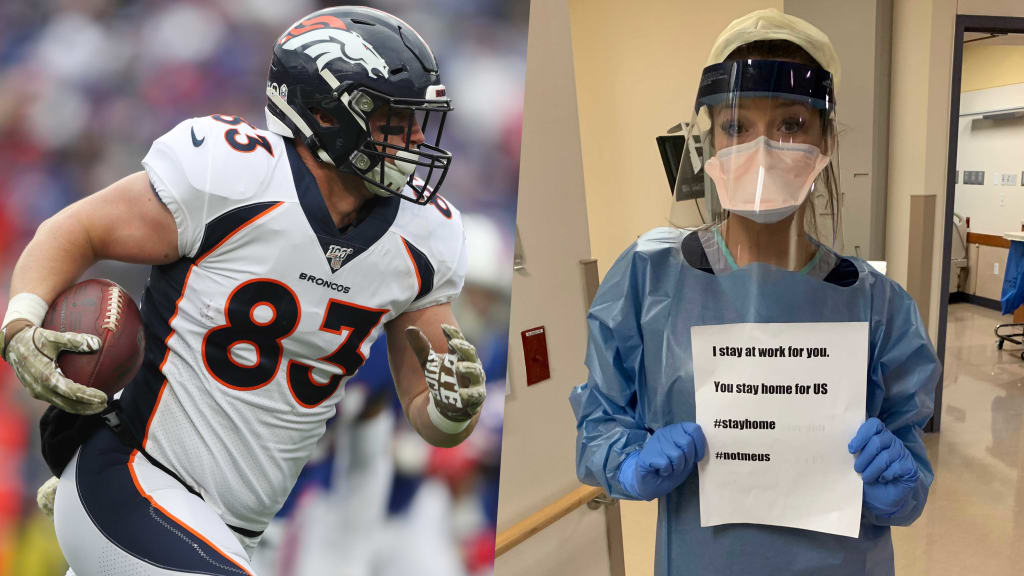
(349, 62)
(333, 40)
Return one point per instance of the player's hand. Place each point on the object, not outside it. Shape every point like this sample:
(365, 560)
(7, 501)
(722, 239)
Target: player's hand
(46, 494)
(32, 353)
(886, 466)
(664, 462)
(456, 380)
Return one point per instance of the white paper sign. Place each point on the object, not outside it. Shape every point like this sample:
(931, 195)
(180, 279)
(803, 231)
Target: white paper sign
(779, 403)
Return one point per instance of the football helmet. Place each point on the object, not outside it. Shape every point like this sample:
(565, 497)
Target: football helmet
(359, 65)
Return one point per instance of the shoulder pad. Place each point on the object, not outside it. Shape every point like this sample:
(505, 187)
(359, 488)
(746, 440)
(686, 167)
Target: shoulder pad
(207, 166)
(218, 155)
(434, 227)
(436, 231)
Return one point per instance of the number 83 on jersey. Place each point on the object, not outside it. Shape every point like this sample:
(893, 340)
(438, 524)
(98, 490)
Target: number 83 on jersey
(260, 314)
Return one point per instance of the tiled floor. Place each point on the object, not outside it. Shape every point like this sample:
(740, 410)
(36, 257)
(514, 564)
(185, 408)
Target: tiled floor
(974, 522)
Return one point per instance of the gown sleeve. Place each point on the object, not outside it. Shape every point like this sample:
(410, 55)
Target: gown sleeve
(608, 423)
(902, 376)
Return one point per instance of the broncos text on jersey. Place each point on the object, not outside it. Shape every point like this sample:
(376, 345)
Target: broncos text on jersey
(251, 335)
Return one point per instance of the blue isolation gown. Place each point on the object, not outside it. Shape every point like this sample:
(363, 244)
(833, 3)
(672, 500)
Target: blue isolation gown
(641, 378)
(1013, 280)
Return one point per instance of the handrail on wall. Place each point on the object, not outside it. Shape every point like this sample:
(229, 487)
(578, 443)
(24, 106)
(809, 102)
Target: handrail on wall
(545, 517)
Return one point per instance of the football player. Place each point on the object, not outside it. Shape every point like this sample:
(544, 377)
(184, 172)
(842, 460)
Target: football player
(278, 257)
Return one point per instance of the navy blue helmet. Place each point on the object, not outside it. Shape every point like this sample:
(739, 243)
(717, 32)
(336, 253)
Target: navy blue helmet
(356, 64)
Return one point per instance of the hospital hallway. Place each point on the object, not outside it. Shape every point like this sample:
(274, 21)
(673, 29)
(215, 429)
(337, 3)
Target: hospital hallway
(974, 520)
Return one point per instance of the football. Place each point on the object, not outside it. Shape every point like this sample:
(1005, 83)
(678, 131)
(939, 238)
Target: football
(104, 309)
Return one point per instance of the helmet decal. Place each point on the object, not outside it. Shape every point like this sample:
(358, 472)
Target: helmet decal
(312, 24)
(328, 39)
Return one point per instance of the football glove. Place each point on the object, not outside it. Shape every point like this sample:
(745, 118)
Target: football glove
(456, 380)
(46, 494)
(32, 353)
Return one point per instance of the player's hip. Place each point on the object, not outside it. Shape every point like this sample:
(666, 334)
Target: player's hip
(246, 479)
(242, 458)
(245, 495)
(115, 508)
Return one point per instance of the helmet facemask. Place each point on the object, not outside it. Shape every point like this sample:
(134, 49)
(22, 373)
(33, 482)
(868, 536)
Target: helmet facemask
(402, 137)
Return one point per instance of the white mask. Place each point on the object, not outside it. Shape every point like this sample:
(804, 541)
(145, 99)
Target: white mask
(764, 180)
(395, 174)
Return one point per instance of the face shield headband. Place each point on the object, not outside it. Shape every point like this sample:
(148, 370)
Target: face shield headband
(724, 83)
(404, 120)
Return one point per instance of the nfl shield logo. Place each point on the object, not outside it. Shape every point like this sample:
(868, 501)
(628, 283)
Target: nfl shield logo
(336, 255)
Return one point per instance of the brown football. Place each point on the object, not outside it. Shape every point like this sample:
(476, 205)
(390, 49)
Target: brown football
(101, 308)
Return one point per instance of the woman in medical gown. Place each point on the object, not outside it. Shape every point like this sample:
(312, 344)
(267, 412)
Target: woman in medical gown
(763, 137)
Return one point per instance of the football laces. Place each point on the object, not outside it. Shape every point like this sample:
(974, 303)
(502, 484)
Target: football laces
(115, 305)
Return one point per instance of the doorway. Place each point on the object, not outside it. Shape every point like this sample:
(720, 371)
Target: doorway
(982, 116)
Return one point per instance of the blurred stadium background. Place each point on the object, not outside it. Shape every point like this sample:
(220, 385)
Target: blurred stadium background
(87, 85)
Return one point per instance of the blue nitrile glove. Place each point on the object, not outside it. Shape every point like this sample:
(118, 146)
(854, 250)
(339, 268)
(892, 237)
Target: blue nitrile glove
(664, 462)
(887, 467)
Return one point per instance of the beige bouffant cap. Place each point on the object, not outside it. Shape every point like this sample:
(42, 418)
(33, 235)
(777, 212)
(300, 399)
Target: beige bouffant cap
(771, 24)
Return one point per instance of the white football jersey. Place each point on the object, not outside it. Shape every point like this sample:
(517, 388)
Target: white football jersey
(251, 336)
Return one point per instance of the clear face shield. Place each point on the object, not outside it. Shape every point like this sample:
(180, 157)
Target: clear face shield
(758, 150)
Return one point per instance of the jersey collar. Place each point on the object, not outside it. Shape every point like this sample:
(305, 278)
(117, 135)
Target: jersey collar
(339, 248)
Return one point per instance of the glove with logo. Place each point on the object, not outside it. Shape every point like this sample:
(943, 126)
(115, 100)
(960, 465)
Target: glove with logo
(32, 353)
(456, 380)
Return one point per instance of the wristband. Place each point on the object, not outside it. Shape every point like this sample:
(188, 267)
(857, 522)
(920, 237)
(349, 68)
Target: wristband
(26, 306)
(441, 423)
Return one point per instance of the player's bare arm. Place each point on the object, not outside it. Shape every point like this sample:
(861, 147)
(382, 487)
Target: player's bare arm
(97, 228)
(441, 398)
(64, 246)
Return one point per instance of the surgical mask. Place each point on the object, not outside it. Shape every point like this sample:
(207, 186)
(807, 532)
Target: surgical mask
(764, 180)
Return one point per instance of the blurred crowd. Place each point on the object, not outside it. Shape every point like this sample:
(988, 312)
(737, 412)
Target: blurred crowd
(87, 85)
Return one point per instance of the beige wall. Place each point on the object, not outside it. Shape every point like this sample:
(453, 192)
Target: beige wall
(922, 51)
(989, 7)
(991, 66)
(861, 35)
(631, 87)
(538, 448)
